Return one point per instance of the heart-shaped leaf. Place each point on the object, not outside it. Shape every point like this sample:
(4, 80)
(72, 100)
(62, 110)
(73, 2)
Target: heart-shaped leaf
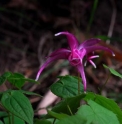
(67, 86)
(75, 119)
(106, 103)
(96, 114)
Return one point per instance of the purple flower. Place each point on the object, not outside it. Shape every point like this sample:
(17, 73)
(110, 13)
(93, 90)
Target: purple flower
(75, 54)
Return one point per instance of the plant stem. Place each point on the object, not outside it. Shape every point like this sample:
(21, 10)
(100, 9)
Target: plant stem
(105, 82)
(12, 119)
(92, 15)
(54, 120)
(69, 109)
(9, 117)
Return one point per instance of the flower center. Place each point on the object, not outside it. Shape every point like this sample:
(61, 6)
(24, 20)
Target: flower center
(76, 57)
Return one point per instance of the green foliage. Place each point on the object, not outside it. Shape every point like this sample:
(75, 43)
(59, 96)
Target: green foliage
(104, 38)
(17, 104)
(29, 93)
(95, 110)
(66, 86)
(1, 122)
(57, 115)
(74, 119)
(68, 106)
(106, 103)
(97, 114)
(16, 120)
(113, 71)
(4, 77)
(3, 114)
(16, 79)
(37, 121)
(98, 109)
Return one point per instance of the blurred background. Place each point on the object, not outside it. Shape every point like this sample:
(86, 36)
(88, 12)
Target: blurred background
(27, 29)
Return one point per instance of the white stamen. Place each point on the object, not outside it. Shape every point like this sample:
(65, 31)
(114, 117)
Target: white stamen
(92, 57)
(113, 54)
(57, 34)
(92, 63)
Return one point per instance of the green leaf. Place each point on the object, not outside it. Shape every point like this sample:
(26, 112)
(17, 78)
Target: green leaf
(104, 37)
(30, 93)
(66, 86)
(16, 120)
(43, 121)
(106, 103)
(72, 103)
(95, 113)
(113, 71)
(1, 122)
(67, 106)
(75, 119)
(30, 80)
(19, 105)
(4, 77)
(3, 114)
(57, 115)
(18, 80)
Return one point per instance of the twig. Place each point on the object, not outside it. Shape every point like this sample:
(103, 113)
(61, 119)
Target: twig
(43, 43)
(113, 18)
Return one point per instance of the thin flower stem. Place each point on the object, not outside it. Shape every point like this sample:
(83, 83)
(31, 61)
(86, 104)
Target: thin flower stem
(105, 82)
(95, 4)
(69, 109)
(78, 84)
